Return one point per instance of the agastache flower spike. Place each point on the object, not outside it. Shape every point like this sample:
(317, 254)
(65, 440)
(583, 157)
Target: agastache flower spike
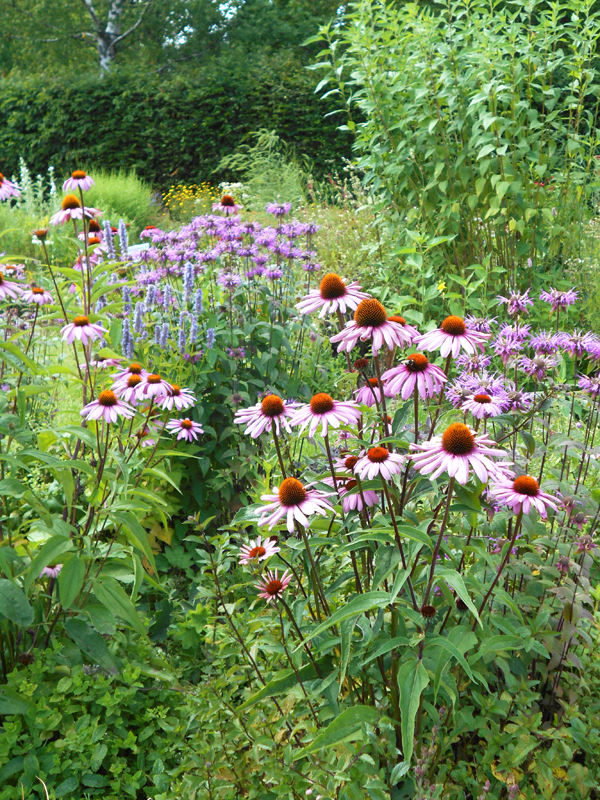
(109, 240)
(164, 335)
(123, 238)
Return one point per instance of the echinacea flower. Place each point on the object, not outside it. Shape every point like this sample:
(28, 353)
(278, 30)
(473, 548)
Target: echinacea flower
(352, 498)
(227, 205)
(521, 494)
(51, 572)
(457, 451)
(8, 289)
(333, 295)
(132, 369)
(325, 411)
(558, 299)
(260, 417)
(8, 189)
(37, 295)
(258, 550)
(71, 209)
(483, 405)
(105, 363)
(453, 336)
(78, 180)
(293, 502)
(185, 429)
(83, 330)
(408, 329)
(370, 394)
(127, 388)
(177, 398)
(371, 322)
(153, 386)
(107, 407)
(379, 461)
(272, 587)
(415, 371)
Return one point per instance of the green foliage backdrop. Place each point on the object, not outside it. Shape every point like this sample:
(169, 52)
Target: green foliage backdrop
(170, 130)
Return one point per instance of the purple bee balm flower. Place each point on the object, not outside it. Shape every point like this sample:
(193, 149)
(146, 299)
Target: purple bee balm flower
(517, 400)
(229, 281)
(585, 545)
(83, 330)
(473, 364)
(590, 384)
(558, 299)
(371, 322)
(278, 209)
(481, 324)
(545, 343)
(293, 502)
(578, 344)
(273, 274)
(51, 572)
(272, 587)
(452, 337)
(517, 303)
(459, 390)
(537, 367)
(78, 180)
(506, 346)
(8, 189)
(415, 372)
(483, 405)
(107, 407)
(378, 461)
(185, 429)
(333, 295)
(309, 266)
(325, 411)
(518, 331)
(270, 411)
(9, 289)
(257, 550)
(456, 452)
(522, 494)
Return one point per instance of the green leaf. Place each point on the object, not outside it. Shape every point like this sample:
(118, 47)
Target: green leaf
(14, 604)
(455, 580)
(286, 679)
(348, 724)
(412, 680)
(92, 644)
(495, 644)
(51, 550)
(358, 605)
(441, 641)
(114, 598)
(11, 487)
(11, 702)
(70, 581)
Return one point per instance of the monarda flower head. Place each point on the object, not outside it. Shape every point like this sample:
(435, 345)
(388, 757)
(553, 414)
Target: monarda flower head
(333, 295)
(558, 299)
(453, 336)
(371, 323)
(517, 303)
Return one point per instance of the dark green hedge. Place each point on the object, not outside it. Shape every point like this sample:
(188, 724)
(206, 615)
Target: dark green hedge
(170, 129)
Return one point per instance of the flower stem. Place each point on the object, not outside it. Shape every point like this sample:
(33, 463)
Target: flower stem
(439, 541)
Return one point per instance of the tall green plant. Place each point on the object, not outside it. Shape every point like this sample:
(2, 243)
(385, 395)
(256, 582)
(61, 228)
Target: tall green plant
(479, 120)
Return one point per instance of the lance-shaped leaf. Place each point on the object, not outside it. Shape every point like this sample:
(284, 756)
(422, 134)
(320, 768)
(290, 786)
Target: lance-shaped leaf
(347, 725)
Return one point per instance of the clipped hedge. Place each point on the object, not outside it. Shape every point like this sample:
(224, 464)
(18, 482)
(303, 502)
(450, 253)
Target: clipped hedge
(170, 129)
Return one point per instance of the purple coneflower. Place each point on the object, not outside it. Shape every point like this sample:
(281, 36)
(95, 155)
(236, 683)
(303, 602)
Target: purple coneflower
(371, 322)
(483, 405)
(185, 429)
(332, 295)
(370, 395)
(78, 180)
(132, 369)
(558, 299)
(325, 411)
(71, 209)
(51, 572)
(452, 337)
(409, 330)
(105, 363)
(83, 330)
(9, 289)
(260, 418)
(293, 501)
(272, 587)
(107, 407)
(258, 550)
(8, 189)
(177, 398)
(516, 303)
(457, 451)
(227, 205)
(379, 461)
(521, 494)
(153, 386)
(127, 389)
(414, 371)
(352, 499)
(37, 295)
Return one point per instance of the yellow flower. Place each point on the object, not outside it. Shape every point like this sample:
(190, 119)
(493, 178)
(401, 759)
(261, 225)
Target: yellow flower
(441, 287)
